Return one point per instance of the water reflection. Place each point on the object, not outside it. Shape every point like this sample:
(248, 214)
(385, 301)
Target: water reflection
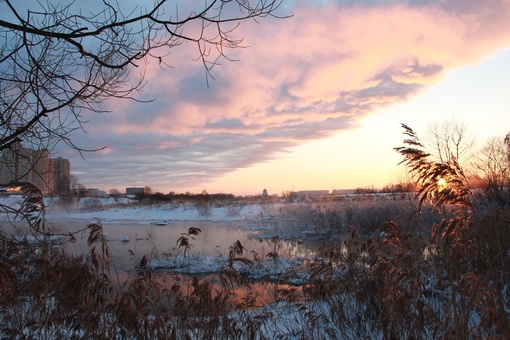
(129, 242)
(159, 241)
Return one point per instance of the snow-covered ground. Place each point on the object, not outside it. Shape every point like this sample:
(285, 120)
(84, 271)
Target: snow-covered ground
(347, 313)
(109, 211)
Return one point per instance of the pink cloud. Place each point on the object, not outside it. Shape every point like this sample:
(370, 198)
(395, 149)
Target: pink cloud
(323, 63)
(303, 78)
(323, 52)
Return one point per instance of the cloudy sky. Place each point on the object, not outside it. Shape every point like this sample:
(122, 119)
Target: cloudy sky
(315, 102)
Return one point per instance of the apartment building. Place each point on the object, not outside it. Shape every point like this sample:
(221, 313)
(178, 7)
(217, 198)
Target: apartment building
(60, 169)
(15, 164)
(51, 175)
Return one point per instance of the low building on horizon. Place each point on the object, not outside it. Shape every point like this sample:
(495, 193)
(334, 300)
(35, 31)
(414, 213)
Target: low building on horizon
(134, 191)
(312, 193)
(93, 192)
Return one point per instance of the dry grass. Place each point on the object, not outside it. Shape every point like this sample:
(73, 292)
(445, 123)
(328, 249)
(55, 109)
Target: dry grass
(380, 280)
(332, 219)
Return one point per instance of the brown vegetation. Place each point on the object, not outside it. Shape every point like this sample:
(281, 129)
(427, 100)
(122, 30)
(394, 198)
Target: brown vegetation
(387, 280)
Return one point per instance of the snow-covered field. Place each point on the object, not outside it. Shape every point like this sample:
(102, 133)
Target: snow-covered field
(111, 212)
(380, 285)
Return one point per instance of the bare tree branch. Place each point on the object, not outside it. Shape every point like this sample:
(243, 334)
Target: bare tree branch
(59, 60)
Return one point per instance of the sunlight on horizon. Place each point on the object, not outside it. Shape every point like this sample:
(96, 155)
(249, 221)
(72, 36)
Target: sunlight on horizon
(364, 156)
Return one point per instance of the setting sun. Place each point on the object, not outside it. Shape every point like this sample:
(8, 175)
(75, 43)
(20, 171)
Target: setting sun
(441, 185)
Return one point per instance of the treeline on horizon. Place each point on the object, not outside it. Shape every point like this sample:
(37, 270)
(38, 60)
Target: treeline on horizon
(172, 196)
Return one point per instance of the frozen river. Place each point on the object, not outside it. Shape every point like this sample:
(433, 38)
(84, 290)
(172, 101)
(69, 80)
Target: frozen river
(134, 231)
(130, 241)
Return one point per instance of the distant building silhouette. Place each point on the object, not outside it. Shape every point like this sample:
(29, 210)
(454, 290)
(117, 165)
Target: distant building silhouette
(94, 192)
(15, 164)
(134, 191)
(264, 193)
(26, 165)
(310, 193)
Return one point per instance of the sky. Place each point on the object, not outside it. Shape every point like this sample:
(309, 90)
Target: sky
(315, 102)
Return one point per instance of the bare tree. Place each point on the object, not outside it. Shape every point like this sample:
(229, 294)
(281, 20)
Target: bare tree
(115, 193)
(491, 164)
(507, 142)
(449, 139)
(147, 190)
(60, 59)
(492, 160)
